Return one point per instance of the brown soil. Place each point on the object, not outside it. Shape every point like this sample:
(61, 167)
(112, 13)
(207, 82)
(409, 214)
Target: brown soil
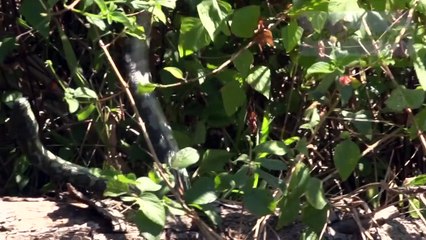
(39, 218)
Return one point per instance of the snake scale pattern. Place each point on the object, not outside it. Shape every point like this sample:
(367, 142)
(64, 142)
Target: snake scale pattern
(26, 128)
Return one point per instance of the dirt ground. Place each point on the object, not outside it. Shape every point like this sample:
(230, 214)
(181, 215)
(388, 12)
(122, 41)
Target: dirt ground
(40, 218)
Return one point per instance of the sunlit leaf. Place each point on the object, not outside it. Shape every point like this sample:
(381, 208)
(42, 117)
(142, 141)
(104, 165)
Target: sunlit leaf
(233, 97)
(346, 157)
(185, 158)
(259, 201)
(291, 35)
(315, 193)
(201, 192)
(245, 20)
(176, 72)
(260, 79)
(272, 147)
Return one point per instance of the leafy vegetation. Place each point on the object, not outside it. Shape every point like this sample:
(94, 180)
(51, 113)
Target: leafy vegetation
(280, 105)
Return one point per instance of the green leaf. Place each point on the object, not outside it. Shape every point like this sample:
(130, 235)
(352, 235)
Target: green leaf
(259, 202)
(320, 68)
(153, 208)
(35, 13)
(314, 218)
(290, 207)
(212, 13)
(418, 57)
(233, 97)
(245, 20)
(146, 88)
(317, 19)
(315, 193)
(272, 180)
(176, 72)
(214, 160)
(243, 62)
(402, 98)
(97, 21)
(346, 157)
(73, 104)
(84, 113)
(193, 36)
(185, 158)
(84, 92)
(143, 218)
(298, 180)
(260, 79)
(272, 164)
(419, 180)
(272, 147)
(146, 184)
(291, 35)
(7, 45)
(201, 192)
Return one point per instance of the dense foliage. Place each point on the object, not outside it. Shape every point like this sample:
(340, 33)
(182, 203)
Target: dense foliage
(280, 105)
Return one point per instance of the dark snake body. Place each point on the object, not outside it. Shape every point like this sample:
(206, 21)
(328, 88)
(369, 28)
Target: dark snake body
(25, 127)
(136, 57)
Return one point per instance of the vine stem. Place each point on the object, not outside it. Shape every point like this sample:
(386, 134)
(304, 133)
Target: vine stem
(208, 232)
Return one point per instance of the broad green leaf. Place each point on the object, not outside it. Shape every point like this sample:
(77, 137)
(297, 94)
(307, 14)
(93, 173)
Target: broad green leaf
(260, 79)
(272, 164)
(346, 157)
(146, 184)
(419, 180)
(214, 160)
(414, 207)
(153, 208)
(176, 72)
(244, 21)
(418, 57)
(314, 218)
(243, 62)
(264, 130)
(201, 192)
(102, 6)
(116, 188)
(193, 36)
(402, 98)
(185, 158)
(320, 68)
(146, 88)
(289, 207)
(83, 92)
(272, 180)
(73, 104)
(259, 201)
(315, 193)
(291, 35)
(7, 45)
(211, 212)
(233, 97)
(200, 132)
(298, 180)
(317, 19)
(120, 17)
(97, 21)
(35, 13)
(272, 147)
(158, 14)
(149, 217)
(84, 113)
(212, 13)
